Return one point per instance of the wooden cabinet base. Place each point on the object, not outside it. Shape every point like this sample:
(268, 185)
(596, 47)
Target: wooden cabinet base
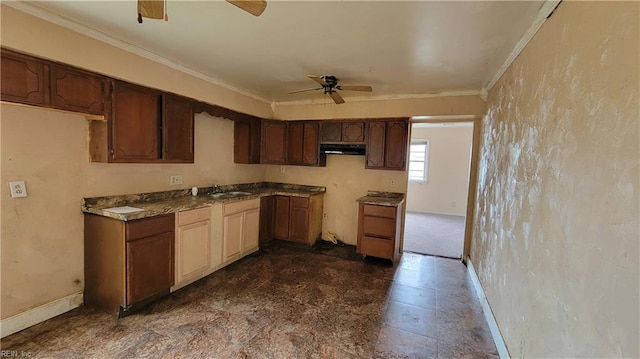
(379, 231)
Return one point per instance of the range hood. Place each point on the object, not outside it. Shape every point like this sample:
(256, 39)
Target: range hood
(342, 149)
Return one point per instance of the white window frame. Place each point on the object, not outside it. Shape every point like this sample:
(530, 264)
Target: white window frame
(425, 163)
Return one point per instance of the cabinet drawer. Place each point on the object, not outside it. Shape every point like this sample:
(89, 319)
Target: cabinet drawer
(235, 207)
(377, 247)
(299, 202)
(380, 211)
(150, 226)
(379, 227)
(194, 215)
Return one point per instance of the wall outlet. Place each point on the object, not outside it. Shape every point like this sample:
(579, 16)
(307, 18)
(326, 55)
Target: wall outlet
(324, 215)
(18, 189)
(175, 180)
(281, 169)
(392, 183)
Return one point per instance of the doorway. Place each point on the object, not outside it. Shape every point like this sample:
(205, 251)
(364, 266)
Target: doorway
(438, 189)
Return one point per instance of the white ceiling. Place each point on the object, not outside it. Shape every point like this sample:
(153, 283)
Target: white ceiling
(401, 48)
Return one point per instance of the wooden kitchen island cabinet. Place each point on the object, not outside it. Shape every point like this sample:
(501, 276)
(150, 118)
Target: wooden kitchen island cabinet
(379, 231)
(127, 264)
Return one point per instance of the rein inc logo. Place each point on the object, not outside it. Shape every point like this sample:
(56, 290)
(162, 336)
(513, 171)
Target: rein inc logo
(14, 354)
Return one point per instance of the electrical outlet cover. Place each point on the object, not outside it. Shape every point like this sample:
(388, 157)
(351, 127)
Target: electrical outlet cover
(18, 189)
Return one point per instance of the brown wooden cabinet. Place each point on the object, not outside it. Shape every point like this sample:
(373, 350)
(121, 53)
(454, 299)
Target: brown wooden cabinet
(267, 212)
(353, 132)
(77, 90)
(303, 146)
(342, 132)
(297, 219)
(177, 129)
(387, 144)
(274, 142)
(281, 217)
(379, 231)
(331, 132)
(246, 140)
(127, 263)
(24, 79)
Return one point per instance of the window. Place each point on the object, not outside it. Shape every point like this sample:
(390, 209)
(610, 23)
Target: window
(418, 160)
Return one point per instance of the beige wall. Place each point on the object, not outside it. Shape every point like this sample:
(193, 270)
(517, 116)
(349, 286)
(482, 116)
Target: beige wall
(447, 185)
(556, 231)
(42, 235)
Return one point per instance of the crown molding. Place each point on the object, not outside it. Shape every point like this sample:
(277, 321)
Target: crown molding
(123, 45)
(544, 12)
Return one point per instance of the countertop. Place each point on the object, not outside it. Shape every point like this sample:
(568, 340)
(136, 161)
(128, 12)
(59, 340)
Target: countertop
(389, 199)
(159, 203)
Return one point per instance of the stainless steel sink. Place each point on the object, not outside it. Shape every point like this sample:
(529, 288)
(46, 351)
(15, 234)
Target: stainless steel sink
(231, 194)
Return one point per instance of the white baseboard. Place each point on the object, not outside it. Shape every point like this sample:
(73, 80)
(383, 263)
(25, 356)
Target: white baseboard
(488, 314)
(39, 314)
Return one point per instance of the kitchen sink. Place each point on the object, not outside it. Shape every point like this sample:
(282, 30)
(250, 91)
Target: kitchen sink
(231, 194)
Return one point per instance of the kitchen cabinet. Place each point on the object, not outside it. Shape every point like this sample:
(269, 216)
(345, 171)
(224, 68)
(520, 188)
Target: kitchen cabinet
(298, 219)
(246, 141)
(303, 145)
(241, 226)
(274, 142)
(387, 144)
(128, 264)
(267, 210)
(77, 90)
(24, 79)
(192, 249)
(177, 129)
(379, 231)
(342, 132)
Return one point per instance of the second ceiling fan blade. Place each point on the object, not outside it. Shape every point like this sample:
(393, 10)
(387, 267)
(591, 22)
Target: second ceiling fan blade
(336, 97)
(305, 90)
(355, 88)
(253, 7)
(318, 79)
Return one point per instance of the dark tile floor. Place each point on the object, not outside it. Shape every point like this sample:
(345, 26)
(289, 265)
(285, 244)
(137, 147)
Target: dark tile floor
(288, 303)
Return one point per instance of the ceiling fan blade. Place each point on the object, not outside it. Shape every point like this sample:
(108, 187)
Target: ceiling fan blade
(318, 79)
(305, 90)
(152, 9)
(336, 97)
(253, 7)
(355, 88)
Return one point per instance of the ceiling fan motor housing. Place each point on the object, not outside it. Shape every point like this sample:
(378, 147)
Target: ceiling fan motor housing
(331, 81)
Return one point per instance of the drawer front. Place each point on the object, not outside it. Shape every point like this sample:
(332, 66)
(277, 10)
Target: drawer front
(299, 202)
(379, 227)
(380, 211)
(377, 247)
(194, 216)
(235, 207)
(147, 227)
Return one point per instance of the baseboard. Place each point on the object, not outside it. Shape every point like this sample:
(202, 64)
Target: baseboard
(488, 314)
(39, 314)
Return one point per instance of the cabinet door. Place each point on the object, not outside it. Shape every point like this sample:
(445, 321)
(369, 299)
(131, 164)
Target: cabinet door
(375, 144)
(149, 266)
(274, 142)
(251, 229)
(232, 235)
(295, 141)
(267, 211)
(310, 145)
(281, 222)
(246, 141)
(76, 90)
(396, 145)
(135, 124)
(177, 130)
(331, 132)
(24, 79)
(299, 219)
(353, 132)
(192, 250)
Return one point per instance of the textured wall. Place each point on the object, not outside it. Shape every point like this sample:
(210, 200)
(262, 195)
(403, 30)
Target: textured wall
(447, 187)
(556, 232)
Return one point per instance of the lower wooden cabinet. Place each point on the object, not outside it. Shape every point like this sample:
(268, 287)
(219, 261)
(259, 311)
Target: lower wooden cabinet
(241, 225)
(193, 242)
(379, 231)
(127, 263)
(297, 219)
(281, 217)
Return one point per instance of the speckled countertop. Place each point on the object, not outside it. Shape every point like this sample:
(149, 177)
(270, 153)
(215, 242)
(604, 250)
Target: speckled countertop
(158, 203)
(390, 199)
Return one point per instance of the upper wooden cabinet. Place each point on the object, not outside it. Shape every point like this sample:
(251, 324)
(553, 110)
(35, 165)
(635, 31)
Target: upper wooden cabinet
(387, 144)
(246, 140)
(77, 90)
(24, 79)
(274, 142)
(177, 129)
(342, 132)
(303, 146)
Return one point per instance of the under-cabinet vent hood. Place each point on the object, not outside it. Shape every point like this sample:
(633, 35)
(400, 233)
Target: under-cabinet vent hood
(342, 149)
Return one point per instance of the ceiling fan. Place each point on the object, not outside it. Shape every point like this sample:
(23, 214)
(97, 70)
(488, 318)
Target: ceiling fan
(330, 86)
(156, 9)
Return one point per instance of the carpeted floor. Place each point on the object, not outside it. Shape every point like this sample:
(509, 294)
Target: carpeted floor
(434, 234)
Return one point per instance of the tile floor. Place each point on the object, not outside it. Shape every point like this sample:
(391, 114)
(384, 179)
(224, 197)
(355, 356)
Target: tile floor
(287, 303)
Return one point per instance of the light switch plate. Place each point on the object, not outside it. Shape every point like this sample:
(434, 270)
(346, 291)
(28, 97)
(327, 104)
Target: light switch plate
(18, 189)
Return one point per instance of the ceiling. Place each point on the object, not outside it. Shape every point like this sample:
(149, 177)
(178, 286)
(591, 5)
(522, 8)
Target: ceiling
(401, 48)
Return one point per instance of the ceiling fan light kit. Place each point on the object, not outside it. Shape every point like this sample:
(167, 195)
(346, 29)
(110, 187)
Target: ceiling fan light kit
(329, 84)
